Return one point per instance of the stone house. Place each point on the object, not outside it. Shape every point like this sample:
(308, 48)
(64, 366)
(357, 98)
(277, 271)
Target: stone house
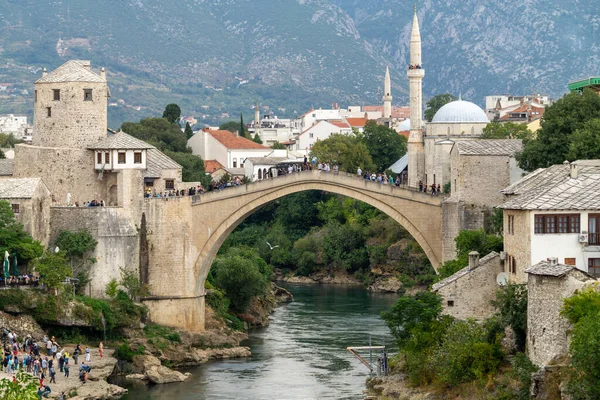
(548, 284)
(467, 293)
(229, 149)
(30, 202)
(554, 212)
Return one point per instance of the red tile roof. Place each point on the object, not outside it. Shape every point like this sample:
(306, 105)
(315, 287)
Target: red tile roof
(357, 122)
(340, 124)
(231, 141)
(211, 166)
(406, 134)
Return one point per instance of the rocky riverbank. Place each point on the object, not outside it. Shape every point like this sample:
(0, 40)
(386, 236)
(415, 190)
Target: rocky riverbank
(324, 277)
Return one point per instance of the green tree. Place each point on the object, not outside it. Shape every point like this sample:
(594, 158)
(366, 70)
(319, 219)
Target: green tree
(231, 126)
(257, 139)
(192, 168)
(278, 146)
(467, 241)
(240, 278)
(506, 130)
(2, 155)
(347, 151)
(131, 282)
(344, 246)
(511, 303)
(188, 131)
(13, 237)
(384, 144)
(8, 140)
(435, 103)
(172, 113)
(585, 358)
(53, 269)
(25, 387)
(562, 119)
(159, 132)
(78, 246)
(243, 130)
(585, 143)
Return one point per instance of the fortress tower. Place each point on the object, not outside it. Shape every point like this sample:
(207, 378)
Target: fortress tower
(387, 95)
(416, 151)
(70, 107)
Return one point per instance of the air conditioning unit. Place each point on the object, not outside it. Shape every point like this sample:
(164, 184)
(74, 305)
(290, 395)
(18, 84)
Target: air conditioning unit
(583, 238)
(502, 255)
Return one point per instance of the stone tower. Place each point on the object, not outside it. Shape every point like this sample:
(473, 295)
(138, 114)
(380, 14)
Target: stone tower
(416, 151)
(70, 106)
(256, 117)
(387, 95)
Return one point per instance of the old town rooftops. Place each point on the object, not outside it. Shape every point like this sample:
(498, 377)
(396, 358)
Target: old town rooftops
(72, 71)
(560, 187)
(18, 188)
(121, 141)
(156, 162)
(489, 147)
(547, 268)
(6, 167)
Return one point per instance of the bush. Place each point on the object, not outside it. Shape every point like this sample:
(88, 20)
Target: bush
(241, 280)
(511, 303)
(522, 370)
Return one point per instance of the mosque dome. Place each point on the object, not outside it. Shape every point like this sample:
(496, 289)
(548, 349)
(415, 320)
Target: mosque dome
(460, 111)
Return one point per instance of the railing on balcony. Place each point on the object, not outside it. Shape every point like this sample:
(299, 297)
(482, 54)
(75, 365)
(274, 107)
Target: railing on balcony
(594, 239)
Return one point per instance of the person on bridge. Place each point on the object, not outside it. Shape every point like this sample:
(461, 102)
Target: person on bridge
(420, 186)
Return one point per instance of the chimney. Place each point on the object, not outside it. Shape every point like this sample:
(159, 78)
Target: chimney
(44, 72)
(103, 73)
(553, 261)
(473, 260)
(574, 171)
(237, 133)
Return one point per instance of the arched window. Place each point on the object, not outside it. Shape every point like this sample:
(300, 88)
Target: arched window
(260, 174)
(235, 163)
(265, 174)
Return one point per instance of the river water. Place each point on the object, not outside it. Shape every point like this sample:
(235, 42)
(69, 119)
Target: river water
(300, 355)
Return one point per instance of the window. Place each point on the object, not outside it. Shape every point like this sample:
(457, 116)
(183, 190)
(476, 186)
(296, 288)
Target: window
(570, 261)
(106, 158)
(241, 164)
(122, 158)
(169, 184)
(235, 163)
(594, 229)
(137, 157)
(561, 223)
(311, 135)
(35, 96)
(99, 158)
(49, 112)
(510, 228)
(56, 93)
(87, 94)
(511, 264)
(450, 303)
(594, 266)
(15, 208)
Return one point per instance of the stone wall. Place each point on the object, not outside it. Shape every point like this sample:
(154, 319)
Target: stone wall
(518, 244)
(547, 330)
(117, 236)
(468, 293)
(63, 171)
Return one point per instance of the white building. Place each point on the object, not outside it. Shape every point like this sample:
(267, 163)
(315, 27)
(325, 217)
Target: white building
(554, 213)
(229, 149)
(505, 101)
(15, 124)
(321, 131)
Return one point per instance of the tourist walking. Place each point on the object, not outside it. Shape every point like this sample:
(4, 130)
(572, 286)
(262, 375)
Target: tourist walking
(101, 349)
(52, 375)
(66, 369)
(420, 186)
(88, 354)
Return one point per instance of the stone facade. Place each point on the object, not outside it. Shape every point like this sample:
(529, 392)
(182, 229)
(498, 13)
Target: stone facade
(467, 293)
(517, 240)
(547, 330)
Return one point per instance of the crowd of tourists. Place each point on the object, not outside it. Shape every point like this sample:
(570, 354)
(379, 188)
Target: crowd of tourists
(433, 189)
(42, 360)
(20, 280)
(191, 191)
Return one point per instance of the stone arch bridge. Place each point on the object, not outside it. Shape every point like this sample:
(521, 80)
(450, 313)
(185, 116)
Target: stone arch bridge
(182, 239)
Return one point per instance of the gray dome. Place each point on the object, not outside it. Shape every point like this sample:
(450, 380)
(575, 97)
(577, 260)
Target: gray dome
(404, 125)
(460, 111)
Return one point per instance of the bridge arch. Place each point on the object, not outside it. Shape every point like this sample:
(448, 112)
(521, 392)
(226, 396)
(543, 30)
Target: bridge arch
(424, 226)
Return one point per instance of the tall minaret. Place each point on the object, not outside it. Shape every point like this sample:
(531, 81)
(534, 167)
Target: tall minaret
(387, 95)
(256, 116)
(416, 150)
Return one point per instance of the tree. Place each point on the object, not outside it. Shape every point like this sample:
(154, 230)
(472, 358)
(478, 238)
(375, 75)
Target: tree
(257, 139)
(53, 269)
(467, 241)
(435, 103)
(159, 132)
(192, 167)
(78, 245)
(506, 130)
(344, 246)
(585, 144)
(278, 146)
(240, 278)
(511, 303)
(384, 144)
(233, 127)
(562, 119)
(25, 387)
(347, 151)
(2, 155)
(131, 282)
(188, 131)
(8, 140)
(13, 237)
(172, 113)
(242, 126)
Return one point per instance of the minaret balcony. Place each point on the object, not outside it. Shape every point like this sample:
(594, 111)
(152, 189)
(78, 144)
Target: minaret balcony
(416, 73)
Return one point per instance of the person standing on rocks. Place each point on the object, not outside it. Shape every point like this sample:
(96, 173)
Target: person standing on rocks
(66, 368)
(49, 347)
(45, 366)
(88, 354)
(101, 349)
(52, 375)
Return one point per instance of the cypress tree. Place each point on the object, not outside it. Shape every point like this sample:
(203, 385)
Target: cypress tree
(188, 131)
(242, 127)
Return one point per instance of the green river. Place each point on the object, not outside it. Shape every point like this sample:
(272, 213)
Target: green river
(301, 355)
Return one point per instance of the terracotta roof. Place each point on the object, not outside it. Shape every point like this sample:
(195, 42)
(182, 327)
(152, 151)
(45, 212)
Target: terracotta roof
(489, 147)
(231, 141)
(121, 141)
(211, 166)
(72, 71)
(406, 134)
(340, 124)
(357, 122)
(553, 188)
(23, 188)
(6, 167)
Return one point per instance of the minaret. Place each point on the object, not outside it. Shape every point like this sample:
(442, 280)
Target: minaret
(416, 150)
(256, 116)
(387, 95)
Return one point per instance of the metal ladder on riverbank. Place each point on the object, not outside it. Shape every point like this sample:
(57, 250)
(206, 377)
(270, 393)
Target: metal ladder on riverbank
(381, 363)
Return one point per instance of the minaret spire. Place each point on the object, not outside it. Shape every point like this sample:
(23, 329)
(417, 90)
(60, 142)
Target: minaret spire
(387, 95)
(416, 149)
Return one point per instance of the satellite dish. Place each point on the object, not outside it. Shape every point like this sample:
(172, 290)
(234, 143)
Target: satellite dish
(502, 279)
